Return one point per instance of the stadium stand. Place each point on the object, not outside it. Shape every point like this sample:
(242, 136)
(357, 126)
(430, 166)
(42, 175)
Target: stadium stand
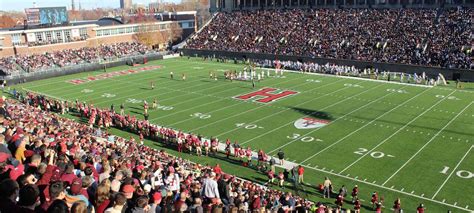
(62, 163)
(428, 37)
(71, 57)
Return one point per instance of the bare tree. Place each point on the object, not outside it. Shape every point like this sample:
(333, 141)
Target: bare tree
(149, 36)
(176, 32)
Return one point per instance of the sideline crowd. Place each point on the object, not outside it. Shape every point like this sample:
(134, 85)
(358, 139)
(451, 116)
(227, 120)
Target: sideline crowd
(52, 164)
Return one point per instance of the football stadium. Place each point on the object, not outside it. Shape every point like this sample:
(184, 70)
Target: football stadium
(267, 106)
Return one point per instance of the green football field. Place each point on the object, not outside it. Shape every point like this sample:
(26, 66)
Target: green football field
(403, 141)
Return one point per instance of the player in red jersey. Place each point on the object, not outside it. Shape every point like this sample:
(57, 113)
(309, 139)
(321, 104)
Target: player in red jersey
(378, 207)
(271, 177)
(357, 205)
(236, 149)
(339, 200)
(197, 143)
(227, 148)
(260, 157)
(214, 146)
(206, 147)
(242, 154)
(180, 144)
(375, 199)
(189, 143)
(355, 193)
(420, 209)
(281, 179)
(248, 153)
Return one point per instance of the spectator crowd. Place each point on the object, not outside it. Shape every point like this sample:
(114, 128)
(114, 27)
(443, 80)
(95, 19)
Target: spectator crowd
(69, 57)
(52, 164)
(429, 37)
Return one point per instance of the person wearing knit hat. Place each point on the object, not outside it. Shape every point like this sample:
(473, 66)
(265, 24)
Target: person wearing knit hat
(75, 192)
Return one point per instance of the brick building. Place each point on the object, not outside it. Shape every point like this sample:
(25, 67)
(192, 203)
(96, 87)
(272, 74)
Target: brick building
(37, 40)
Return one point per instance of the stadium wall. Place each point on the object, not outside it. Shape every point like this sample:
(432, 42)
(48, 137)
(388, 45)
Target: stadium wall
(34, 76)
(450, 74)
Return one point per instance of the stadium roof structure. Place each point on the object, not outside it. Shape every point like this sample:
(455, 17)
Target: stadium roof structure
(105, 21)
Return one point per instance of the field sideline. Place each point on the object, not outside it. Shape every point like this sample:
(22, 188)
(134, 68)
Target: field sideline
(400, 140)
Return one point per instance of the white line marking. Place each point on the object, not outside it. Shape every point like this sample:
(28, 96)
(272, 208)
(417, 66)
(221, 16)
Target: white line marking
(234, 115)
(387, 188)
(289, 123)
(452, 172)
(348, 135)
(396, 132)
(434, 136)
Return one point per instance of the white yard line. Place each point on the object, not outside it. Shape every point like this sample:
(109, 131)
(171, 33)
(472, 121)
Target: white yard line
(396, 132)
(290, 165)
(452, 172)
(108, 84)
(349, 133)
(289, 123)
(235, 115)
(213, 96)
(354, 78)
(271, 115)
(182, 121)
(367, 124)
(427, 143)
(66, 77)
(166, 88)
(385, 188)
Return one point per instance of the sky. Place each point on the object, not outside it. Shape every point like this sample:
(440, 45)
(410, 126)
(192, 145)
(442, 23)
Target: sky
(20, 5)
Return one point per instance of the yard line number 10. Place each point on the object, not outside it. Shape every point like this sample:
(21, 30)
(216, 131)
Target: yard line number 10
(460, 173)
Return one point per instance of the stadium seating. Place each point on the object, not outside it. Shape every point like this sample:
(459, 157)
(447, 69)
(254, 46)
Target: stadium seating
(69, 57)
(67, 164)
(426, 37)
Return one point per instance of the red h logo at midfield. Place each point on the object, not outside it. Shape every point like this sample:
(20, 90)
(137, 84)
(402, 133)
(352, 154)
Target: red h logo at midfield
(267, 96)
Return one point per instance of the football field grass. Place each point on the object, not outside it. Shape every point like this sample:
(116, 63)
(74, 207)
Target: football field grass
(403, 141)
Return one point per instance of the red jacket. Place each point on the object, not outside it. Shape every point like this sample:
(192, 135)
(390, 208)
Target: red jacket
(300, 170)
